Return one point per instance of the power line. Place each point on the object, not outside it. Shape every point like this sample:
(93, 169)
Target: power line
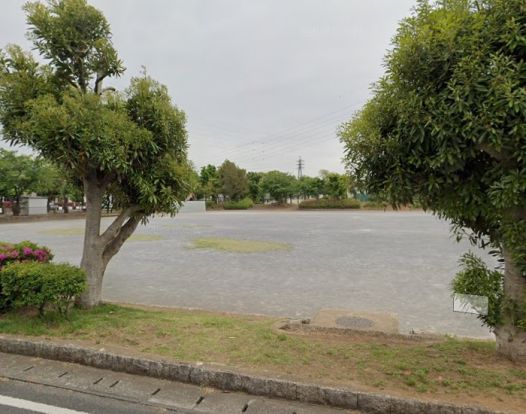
(279, 139)
(258, 160)
(284, 147)
(327, 119)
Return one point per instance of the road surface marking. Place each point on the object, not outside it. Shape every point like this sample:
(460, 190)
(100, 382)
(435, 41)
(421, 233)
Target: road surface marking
(36, 407)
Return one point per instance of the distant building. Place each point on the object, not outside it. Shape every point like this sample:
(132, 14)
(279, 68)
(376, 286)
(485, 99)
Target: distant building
(31, 205)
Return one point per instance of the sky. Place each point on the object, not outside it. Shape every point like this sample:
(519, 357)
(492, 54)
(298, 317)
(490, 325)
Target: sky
(262, 82)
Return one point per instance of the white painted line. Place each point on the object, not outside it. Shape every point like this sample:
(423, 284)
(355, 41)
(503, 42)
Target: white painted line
(36, 407)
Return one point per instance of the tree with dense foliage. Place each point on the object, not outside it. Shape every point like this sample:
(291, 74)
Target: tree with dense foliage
(335, 186)
(54, 183)
(19, 175)
(447, 124)
(209, 179)
(254, 188)
(233, 182)
(193, 181)
(310, 187)
(279, 185)
(130, 145)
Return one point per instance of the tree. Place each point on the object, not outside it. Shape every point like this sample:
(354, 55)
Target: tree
(335, 186)
(54, 183)
(233, 181)
(447, 124)
(19, 175)
(193, 183)
(130, 146)
(279, 185)
(209, 179)
(309, 187)
(254, 189)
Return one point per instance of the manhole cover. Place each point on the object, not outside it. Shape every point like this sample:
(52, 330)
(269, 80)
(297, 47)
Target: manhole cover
(354, 322)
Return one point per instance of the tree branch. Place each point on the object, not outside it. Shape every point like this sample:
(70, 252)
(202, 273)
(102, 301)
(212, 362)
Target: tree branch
(123, 234)
(98, 84)
(113, 230)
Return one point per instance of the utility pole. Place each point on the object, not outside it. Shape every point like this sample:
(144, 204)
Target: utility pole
(301, 164)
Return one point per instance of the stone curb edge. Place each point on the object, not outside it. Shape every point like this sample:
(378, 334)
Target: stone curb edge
(232, 381)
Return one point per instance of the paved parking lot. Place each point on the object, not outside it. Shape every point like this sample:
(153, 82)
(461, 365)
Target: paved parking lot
(400, 262)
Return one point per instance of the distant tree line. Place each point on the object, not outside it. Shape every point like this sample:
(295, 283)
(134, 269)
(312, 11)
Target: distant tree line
(228, 182)
(24, 174)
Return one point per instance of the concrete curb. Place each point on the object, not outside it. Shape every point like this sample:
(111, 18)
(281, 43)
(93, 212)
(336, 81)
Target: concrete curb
(232, 381)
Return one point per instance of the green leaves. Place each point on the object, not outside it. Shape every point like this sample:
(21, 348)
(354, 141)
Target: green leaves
(278, 185)
(42, 284)
(447, 122)
(75, 38)
(19, 174)
(233, 181)
(476, 279)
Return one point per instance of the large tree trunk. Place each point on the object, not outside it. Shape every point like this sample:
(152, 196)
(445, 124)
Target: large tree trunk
(100, 248)
(92, 261)
(511, 340)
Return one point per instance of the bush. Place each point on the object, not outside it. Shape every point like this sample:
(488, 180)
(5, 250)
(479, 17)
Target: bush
(212, 205)
(22, 252)
(244, 204)
(25, 251)
(476, 279)
(41, 284)
(346, 203)
(375, 205)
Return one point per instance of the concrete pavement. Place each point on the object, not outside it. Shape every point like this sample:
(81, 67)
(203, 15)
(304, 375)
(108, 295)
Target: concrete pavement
(371, 261)
(29, 385)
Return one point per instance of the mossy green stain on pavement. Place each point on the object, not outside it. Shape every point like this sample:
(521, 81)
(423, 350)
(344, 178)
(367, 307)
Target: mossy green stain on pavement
(239, 245)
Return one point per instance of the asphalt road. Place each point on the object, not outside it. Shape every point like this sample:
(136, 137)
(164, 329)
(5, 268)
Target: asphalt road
(34, 385)
(398, 262)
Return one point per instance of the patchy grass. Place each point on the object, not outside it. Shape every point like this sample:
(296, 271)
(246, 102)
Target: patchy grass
(456, 370)
(79, 231)
(239, 246)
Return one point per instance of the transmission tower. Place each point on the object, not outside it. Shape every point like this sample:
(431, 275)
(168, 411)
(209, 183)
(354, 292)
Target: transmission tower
(301, 164)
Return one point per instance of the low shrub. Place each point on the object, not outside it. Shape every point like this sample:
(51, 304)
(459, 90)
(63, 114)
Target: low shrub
(22, 252)
(38, 285)
(346, 203)
(244, 204)
(25, 251)
(212, 205)
(476, 278)
(375, 205)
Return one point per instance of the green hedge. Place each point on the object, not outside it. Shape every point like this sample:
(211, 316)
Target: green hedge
(244, 204)
(41, 284)
(212, 205)
(347, 203)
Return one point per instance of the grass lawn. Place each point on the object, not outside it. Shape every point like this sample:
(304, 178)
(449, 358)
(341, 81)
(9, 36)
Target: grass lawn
(462, 371)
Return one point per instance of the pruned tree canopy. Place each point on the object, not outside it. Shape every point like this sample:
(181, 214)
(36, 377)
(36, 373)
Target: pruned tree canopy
(130, 146)
(447, 125)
